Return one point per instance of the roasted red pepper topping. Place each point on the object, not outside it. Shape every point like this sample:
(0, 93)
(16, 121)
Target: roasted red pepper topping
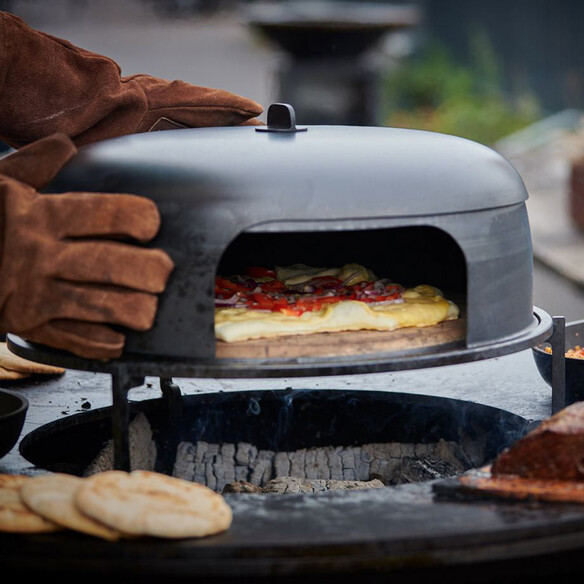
(260, 272)
(312, 295)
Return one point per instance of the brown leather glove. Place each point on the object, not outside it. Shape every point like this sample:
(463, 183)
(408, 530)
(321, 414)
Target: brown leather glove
(48, 85)
(66, 273)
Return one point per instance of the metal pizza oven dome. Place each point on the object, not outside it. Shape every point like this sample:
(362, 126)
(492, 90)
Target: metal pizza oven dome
(214, 186)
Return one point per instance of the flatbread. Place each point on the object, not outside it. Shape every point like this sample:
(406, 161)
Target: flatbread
(11, 363)
(8, 375)
(149, 503)
(15, 516)
(53, 497)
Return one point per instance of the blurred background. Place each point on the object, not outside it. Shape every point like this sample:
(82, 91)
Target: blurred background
(509, 75)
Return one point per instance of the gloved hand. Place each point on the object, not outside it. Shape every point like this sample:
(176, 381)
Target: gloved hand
(70, 269)
(48, 85)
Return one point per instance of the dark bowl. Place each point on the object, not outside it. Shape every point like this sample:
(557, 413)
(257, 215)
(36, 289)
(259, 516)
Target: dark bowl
(574, 367)
(13, 408)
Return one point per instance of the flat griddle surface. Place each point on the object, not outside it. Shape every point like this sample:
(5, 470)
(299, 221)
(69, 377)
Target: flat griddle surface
(374, 532)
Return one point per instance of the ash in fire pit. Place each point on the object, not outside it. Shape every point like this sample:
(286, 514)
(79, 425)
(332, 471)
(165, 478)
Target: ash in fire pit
(316, 437)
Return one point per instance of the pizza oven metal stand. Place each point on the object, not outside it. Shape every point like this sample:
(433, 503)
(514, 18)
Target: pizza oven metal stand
(214, 184)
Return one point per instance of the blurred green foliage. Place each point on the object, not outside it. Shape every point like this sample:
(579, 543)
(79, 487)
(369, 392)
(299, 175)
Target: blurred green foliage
(430, 91)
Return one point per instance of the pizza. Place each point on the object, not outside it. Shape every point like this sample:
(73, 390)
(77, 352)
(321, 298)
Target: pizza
(266, 302)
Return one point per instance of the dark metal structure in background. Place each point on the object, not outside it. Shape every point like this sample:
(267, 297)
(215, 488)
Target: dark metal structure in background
(538, 45)
(328, 75)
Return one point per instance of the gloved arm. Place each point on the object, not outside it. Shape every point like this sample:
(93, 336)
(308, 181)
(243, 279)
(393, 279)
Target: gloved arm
(48, 85)
(70, 269)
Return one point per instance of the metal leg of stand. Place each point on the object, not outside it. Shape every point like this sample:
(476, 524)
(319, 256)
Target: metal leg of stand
(174, 399)
(122, 382)
(558, 343)
(171, 391)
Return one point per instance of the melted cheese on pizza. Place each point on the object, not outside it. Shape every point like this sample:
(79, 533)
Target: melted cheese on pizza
(298, 273)
(422, 306)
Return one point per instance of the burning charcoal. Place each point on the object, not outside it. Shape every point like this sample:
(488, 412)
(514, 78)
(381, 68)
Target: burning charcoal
(322, 469)
(310, 470)
(241, 487)
(209, 460)
(245, 453)
(429, 468)
(241, 473)
(335, 463)
(291, 485)
(184, 465)
(211, 452)
(282, 464)
(384, 458)
(391, 463)
(227, 474)
(384, 469)
(297, 463)
(349, 463)
(210, 478)
(224, 466)
(218, 471)
(262, 470)
(394, 450)
(408, 450)
(199, 472)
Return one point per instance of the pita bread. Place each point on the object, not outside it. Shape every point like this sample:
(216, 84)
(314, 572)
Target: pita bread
(8, 375)
(15, 516)
(149, 503)
(52, 496)
(11, 362)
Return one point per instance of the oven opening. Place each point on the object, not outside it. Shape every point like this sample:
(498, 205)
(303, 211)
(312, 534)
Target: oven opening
(407, 255)
(400, 313)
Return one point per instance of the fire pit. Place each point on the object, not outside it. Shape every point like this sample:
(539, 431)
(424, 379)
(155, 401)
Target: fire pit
(463, 434)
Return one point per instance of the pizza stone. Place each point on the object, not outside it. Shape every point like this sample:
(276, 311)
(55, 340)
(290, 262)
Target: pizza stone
(53, 496)
(153, 504)
(15, 515)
